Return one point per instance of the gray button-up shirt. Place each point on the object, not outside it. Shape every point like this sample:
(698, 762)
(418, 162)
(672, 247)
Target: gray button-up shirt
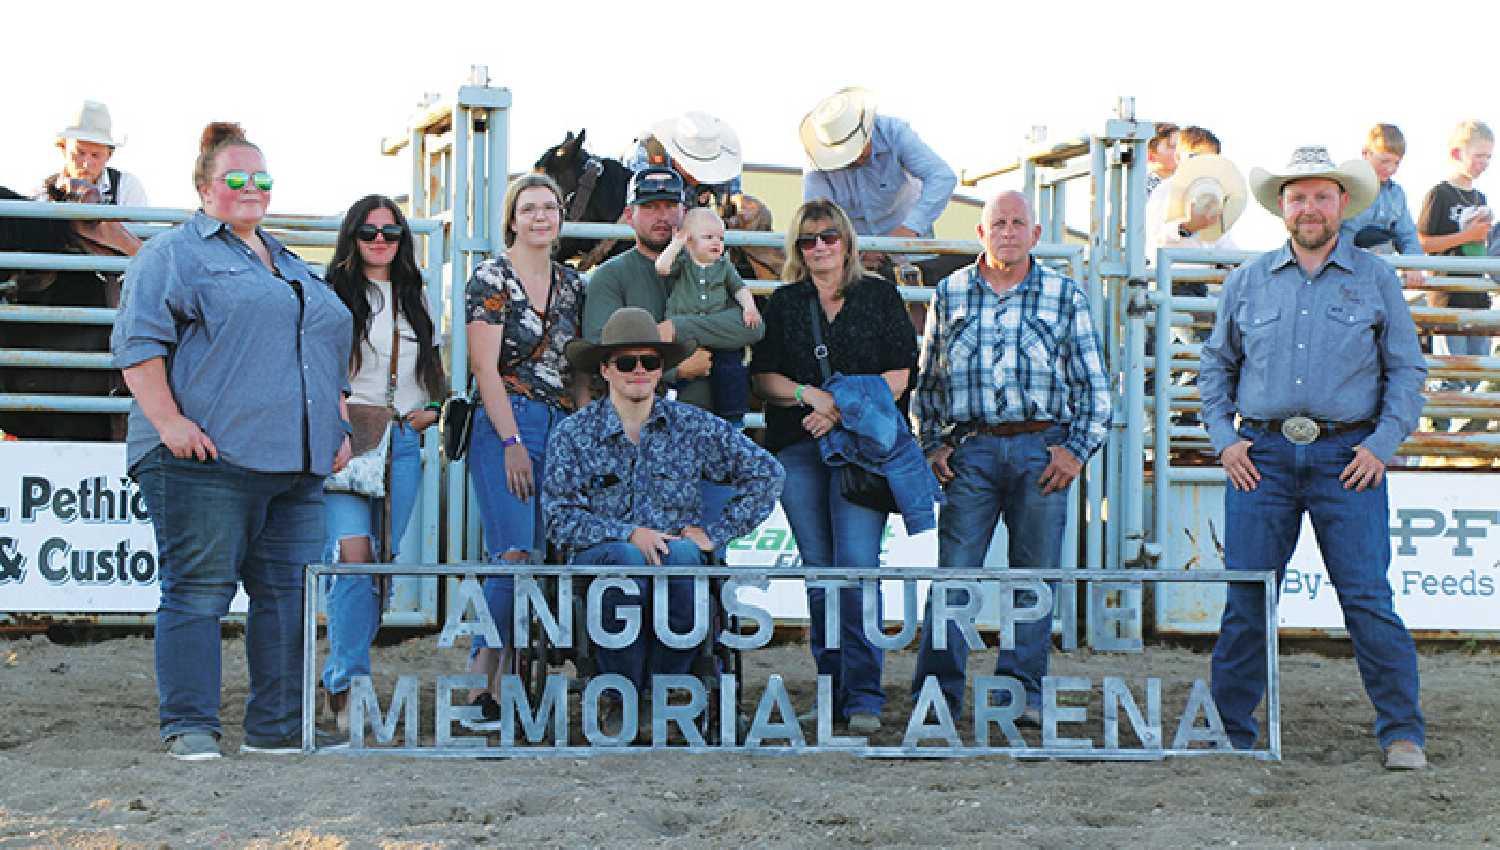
(1338, 345)
(257, 367)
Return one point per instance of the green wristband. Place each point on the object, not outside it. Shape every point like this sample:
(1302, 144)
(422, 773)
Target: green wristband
(798, 394)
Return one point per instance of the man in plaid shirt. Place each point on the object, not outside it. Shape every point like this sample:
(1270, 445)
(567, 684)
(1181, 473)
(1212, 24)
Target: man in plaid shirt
(1011, 399)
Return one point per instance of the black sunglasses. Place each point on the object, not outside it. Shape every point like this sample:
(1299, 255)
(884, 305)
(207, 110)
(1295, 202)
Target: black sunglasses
(628, 362)
(368, 232)
(827, 237)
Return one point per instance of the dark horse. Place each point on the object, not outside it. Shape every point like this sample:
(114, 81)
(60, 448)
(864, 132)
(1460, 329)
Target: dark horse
(594, 189)
(60, 289)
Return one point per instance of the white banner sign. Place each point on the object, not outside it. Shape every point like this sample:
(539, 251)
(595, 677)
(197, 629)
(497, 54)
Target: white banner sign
(1445, 557)
(74, 533)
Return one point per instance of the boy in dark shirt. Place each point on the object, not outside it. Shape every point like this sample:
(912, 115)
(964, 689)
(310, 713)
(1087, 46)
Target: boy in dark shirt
(1455, 221)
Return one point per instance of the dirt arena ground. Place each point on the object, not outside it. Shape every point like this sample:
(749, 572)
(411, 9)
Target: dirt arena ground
(80, 766)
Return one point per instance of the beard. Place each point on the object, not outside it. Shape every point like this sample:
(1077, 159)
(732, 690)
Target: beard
(1314, 240)
(656, 245)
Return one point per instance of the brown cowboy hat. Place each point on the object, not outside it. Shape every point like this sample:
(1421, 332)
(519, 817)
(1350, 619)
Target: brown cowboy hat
(628, 327)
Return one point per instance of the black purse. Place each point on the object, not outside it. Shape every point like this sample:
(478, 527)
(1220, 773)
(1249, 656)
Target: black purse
(858, 486)
(456, 424)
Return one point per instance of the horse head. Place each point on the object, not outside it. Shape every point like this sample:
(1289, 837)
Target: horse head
(600, 197)
(564, 162)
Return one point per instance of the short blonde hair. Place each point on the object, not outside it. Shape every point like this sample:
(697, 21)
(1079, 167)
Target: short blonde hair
(1468, 132)
(703, 214)
(530, 180)
(822, 209)
(1386, 138)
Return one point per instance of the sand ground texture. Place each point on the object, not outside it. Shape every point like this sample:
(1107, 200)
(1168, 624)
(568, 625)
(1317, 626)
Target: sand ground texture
(80, 766)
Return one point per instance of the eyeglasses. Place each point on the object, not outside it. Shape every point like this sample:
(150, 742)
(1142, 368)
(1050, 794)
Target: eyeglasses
(535, 209)
(238, 180)
(828, 237)
(368, 232)
(628, 362)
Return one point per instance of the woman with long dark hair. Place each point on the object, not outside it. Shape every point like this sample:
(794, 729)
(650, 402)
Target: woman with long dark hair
(374, 271)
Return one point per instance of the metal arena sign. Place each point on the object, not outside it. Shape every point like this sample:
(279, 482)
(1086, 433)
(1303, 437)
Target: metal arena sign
(707, 712)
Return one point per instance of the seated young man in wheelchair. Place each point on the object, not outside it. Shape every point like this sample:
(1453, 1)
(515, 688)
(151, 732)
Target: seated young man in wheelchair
(622, 487)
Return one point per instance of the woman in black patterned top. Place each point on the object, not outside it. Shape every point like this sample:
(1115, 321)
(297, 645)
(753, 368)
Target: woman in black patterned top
(523, 307)
(867, 331)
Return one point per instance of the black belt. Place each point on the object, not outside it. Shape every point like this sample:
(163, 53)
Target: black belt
(1325, 428)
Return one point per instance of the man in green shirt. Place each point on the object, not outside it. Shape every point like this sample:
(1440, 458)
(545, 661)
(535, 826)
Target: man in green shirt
(654, 210)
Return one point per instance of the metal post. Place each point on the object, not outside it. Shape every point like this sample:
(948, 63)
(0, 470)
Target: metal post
(1098, 252)
(458, 481)
(1161, 453)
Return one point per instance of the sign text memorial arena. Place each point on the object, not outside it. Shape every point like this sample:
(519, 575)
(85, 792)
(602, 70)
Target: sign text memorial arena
(556, 703)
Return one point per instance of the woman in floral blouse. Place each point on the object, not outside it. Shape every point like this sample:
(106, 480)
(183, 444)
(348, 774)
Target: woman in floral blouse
(523, 307)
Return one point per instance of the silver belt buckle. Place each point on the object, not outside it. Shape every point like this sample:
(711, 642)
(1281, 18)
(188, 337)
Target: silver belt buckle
(1299, 430)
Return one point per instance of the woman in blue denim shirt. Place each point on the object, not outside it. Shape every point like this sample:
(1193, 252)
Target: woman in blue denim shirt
(523, 308)
(374, 271)
(237, 357)
(868, 332)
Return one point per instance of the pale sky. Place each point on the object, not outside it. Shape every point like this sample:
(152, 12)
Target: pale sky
(317, 85)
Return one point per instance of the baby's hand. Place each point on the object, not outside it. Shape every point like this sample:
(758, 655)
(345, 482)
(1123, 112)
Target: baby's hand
(751, 317)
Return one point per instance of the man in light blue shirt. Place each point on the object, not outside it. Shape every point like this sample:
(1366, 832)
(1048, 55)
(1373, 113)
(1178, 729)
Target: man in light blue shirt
(878, 170)
(1315, 350)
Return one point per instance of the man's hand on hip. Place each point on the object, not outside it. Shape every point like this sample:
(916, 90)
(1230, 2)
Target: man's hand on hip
(1060, 472)
(938, 460)
(1364, 472)
(1242, 473)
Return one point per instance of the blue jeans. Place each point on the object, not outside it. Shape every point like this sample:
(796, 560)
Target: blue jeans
(832, 532)
(353, 607)
(646, 655)
(996, 478)
(1260, 532)
(510, 525)
(218, 525)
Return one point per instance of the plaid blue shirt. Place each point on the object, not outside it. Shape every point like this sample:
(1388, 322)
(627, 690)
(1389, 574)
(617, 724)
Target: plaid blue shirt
(1029, 355)
(600, 486)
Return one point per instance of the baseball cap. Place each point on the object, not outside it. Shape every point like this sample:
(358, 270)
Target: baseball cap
(655, 183)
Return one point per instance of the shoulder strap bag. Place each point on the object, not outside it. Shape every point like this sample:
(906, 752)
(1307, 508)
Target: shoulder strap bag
(858, 486)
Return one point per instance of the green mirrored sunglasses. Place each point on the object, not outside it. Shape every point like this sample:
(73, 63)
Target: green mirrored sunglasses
(238, 180)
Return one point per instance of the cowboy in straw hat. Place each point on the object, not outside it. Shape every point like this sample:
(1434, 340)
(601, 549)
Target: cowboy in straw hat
(622, 483)
(87, 144)
(1315, 352)
(878, 170)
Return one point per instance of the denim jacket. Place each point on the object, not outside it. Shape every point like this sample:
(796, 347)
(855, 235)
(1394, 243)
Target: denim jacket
(873, 435)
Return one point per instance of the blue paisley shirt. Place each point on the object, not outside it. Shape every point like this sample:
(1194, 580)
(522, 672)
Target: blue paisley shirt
(601, 487)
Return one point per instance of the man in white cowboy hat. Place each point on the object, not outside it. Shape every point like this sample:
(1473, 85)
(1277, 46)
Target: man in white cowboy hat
(698, 146)
(876, 167)
(622, 483)
(1315, 351)
(87, 146)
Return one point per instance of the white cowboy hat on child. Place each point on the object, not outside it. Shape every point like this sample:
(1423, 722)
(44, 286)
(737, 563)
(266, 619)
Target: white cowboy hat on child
(1355, 175)
(1207, 180)
(90, 124)
(701, 145)
(836, 131)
